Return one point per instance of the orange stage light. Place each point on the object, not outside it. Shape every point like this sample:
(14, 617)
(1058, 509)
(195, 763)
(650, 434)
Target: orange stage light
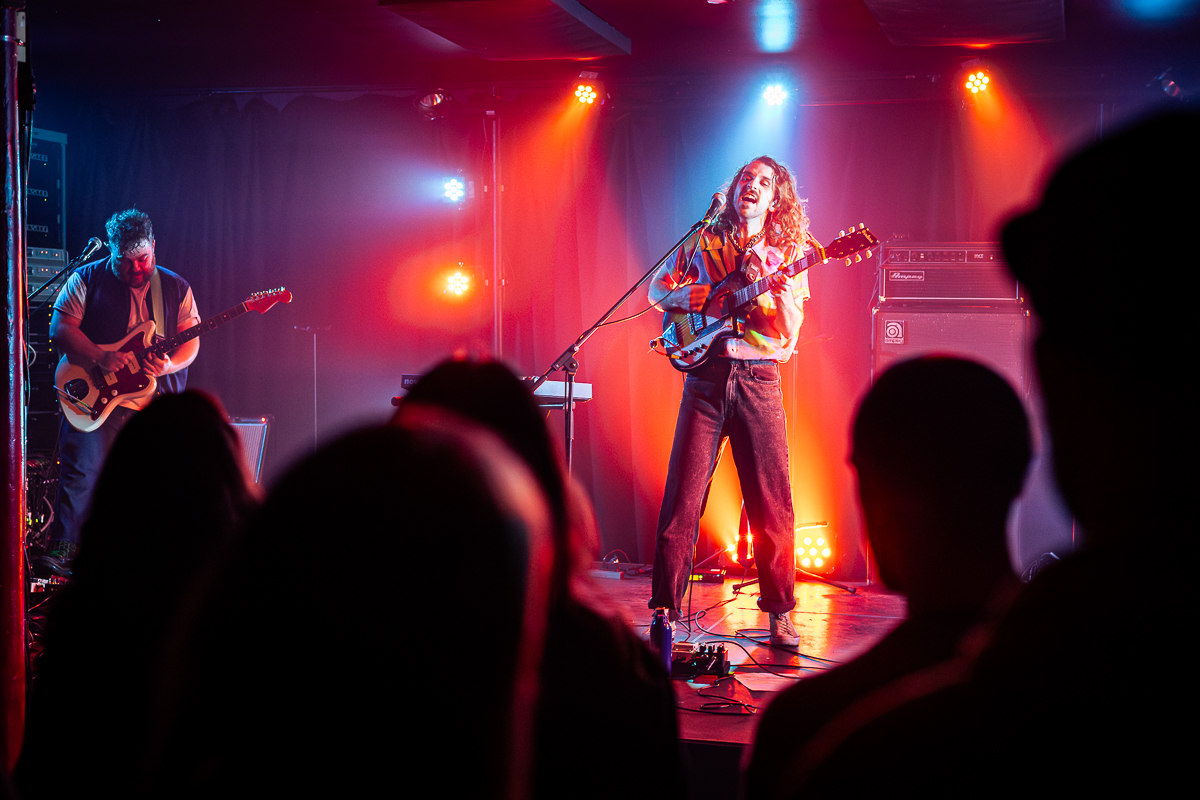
(977, 82)
(813, 552)
(457, 283)
(585, 93)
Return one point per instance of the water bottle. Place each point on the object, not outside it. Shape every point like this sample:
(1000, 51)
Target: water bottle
(662, 637)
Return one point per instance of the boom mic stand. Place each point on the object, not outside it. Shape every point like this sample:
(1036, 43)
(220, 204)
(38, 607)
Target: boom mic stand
(567, 362)
(88, 251)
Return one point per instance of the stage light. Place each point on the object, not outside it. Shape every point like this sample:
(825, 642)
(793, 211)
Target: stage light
(813, 552)
(1157, 11)
(775, 95)
(458, 283)
(1167, 84)
(585, 93)
(589, 89)
(432, 103)
(455, 190)
(777, 25)
(977, 82)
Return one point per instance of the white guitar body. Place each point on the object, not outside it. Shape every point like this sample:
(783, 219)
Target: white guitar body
(88, 394)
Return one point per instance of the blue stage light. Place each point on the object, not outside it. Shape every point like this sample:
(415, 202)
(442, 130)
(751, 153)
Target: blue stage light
(454, 190)
(775, 95)
(777, 25)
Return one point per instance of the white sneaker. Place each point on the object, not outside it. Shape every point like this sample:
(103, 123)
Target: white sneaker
(783, 633)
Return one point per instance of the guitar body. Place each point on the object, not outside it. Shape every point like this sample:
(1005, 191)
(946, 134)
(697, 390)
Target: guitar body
(87, 395)
(688, 338)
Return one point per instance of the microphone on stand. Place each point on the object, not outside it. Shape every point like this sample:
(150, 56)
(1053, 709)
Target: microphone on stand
(93, 245)
(714, 208)
(90, 248)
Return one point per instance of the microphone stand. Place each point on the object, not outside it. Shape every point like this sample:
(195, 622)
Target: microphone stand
(70, 265)
(567, 362)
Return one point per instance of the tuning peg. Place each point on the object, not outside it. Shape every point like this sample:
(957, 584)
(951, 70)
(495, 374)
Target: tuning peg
(857, 258)
(862, 226)
(870, 253)
(841, 234)
(847, 261)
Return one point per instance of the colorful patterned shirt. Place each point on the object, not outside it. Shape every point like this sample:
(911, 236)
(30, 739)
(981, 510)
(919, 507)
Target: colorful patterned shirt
(714, 258)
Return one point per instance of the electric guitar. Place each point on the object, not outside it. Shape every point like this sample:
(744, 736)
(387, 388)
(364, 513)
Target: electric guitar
(687, 338)
(88, 394)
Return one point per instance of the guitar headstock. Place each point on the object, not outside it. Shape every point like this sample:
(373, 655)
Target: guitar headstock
(263, 301)
(852, 243)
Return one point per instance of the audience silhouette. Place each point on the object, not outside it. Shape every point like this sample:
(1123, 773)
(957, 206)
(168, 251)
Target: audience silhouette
(606, 702)
(172, 493)
(941, 446)
(1071, 691)
(315, 673)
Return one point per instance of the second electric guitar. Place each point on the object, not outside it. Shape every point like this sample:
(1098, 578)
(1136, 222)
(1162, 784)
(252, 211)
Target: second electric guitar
(687, 338)
(88, 394)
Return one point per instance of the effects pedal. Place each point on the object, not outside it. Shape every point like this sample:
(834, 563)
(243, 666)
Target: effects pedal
(689, 660)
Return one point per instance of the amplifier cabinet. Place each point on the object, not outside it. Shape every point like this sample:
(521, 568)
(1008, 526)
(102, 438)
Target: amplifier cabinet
(252, 432)
(997, 337)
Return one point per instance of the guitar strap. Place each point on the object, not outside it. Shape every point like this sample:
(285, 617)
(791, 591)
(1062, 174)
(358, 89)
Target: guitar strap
(156, 305)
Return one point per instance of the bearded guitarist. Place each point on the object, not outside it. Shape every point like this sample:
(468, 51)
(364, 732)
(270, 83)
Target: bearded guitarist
(99, 304)
(735, 391)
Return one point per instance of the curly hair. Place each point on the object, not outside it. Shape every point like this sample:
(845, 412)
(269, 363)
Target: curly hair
(126, 229)
(786, 222)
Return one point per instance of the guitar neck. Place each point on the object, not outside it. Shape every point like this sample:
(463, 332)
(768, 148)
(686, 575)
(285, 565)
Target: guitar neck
(763, 285)
(167, 345)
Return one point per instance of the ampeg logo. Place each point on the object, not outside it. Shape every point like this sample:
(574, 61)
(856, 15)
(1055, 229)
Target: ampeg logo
(893, 331)
(907, 276)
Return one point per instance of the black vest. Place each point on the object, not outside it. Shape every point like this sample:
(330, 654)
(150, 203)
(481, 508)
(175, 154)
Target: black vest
(106, 313)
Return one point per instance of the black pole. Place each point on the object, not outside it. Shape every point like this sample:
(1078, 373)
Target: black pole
(12, 553)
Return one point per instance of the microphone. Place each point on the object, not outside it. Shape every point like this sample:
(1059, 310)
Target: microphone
(93, 245)
(714, 208)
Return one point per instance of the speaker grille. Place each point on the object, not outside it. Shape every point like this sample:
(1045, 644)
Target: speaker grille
(252, 431)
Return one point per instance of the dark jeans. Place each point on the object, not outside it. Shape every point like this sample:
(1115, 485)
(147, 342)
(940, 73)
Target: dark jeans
(741, 400)
(81, 455)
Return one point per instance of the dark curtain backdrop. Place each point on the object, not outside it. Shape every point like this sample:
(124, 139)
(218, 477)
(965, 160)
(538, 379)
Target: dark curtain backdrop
(339, 201)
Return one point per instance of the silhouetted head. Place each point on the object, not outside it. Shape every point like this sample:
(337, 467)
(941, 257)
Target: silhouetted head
(1104, 261)
(169, 501)
(177, 466)
(314, 639)
(490, 394)
(941, 446)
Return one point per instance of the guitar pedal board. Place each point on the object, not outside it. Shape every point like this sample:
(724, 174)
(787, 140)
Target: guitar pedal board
(689, 660)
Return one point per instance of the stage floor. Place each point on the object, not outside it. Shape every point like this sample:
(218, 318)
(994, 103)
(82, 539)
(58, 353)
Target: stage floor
(834, 627)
